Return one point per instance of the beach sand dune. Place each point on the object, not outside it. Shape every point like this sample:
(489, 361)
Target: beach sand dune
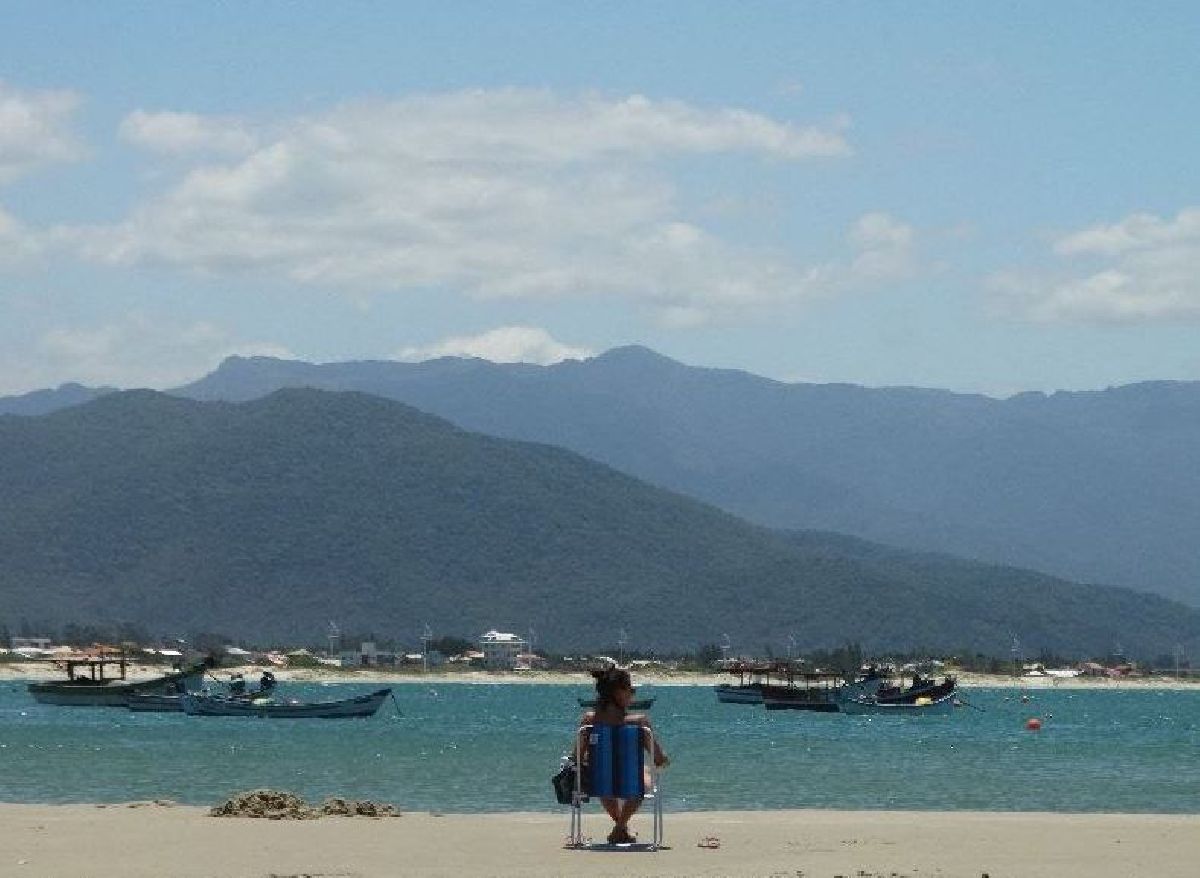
(155, 841)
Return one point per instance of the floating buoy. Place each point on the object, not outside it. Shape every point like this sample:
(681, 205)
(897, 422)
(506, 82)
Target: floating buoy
(1033, 724)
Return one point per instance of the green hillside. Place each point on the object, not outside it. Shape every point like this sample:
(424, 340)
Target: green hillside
(270, 518)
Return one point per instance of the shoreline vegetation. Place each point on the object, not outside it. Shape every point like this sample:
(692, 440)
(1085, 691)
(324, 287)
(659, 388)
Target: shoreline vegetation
(155, 839)
(44, 670)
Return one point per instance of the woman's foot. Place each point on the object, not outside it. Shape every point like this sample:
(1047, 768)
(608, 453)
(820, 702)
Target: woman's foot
(621, 835)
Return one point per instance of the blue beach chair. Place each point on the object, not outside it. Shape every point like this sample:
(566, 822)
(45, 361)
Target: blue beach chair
(613, 765)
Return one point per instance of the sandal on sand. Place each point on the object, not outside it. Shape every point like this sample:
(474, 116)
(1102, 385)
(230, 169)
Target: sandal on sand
(620, 835)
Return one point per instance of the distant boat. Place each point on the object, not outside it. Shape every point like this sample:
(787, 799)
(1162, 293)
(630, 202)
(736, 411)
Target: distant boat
(151, 701)
(88, 686)
(752, 679)
(923, 706)
(920, 688)
(636, 704)
(821, 692)
(195, 704)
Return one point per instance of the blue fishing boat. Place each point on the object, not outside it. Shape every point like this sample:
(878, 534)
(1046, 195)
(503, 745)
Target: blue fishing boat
(198, 704)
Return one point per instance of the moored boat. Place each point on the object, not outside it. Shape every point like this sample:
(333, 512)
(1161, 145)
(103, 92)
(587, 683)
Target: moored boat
(919, 688)
(198, 704)
(144, 702)
(88, 683)
(821, 692)
(752, 680)
(923, 706)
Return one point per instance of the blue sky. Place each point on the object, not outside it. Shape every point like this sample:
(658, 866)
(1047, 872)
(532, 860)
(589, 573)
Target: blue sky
(983, 197)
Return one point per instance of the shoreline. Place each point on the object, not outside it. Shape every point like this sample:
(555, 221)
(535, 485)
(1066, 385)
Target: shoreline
(31, 671)
(145, 840)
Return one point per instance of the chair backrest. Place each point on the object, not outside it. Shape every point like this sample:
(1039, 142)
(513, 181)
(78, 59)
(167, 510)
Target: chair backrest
(615, 761)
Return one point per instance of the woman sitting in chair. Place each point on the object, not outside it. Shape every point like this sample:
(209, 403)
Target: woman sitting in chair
(614, 692)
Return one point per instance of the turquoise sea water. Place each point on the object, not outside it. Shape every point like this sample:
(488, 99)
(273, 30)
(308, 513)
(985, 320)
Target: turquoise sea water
(462, 747)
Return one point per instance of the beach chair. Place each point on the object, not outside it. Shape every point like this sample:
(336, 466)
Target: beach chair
(615, 766)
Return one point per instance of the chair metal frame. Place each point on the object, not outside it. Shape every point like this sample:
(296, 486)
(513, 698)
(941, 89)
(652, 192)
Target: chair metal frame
(652, 792)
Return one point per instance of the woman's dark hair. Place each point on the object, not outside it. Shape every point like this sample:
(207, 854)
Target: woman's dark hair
(609, 681)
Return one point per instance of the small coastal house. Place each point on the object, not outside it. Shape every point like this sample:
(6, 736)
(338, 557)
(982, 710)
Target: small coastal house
(500, 649)
(41, 644)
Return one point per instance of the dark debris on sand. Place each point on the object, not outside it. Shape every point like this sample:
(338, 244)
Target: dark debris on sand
(276, 805)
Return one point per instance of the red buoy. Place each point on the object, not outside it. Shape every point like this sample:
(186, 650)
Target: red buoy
(1033, 724)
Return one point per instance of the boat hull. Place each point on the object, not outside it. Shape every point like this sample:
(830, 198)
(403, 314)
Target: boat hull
(739, 694)
(940, 706)
(149, 702)
(211, 705)
(816, 706)
(113, 693)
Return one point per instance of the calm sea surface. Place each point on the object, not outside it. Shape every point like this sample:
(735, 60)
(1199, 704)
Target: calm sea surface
(461, 747)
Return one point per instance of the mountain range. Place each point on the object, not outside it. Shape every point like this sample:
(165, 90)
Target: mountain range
(272, 517)
(1093, 486)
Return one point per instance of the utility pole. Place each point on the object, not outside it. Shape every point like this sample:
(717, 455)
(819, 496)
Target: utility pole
(622, 639)
(426, 636)
(335, 640)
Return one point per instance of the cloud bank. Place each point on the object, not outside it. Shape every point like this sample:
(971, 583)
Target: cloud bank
(35, 130)
(508, 193)
(506, 344)
(137, 350)
(1139, 270)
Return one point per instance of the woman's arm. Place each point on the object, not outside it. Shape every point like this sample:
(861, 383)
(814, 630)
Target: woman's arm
(649, 739)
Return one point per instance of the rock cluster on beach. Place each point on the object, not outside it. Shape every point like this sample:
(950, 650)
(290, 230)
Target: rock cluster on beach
(276, 805)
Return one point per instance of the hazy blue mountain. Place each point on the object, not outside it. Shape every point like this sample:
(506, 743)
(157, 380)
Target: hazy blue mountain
(41, 402)
(272, 517)
(1096, 486)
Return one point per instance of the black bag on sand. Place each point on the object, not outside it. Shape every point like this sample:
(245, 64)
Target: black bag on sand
(564, 783)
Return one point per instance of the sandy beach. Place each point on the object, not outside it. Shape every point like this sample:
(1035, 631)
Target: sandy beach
(49, 671)
(163, 841)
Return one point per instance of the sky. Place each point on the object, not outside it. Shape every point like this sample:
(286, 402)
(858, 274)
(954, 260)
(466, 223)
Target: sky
(982, 197)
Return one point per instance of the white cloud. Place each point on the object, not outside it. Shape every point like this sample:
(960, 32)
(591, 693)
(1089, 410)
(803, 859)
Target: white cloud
(510, 193)
(506, 344)
(176, 133)
(16, 241)
(885, 248)
(1141, 269)
(35, 130)
(137, 351)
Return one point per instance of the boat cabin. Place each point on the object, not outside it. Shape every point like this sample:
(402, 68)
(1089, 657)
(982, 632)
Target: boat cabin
(86, 671)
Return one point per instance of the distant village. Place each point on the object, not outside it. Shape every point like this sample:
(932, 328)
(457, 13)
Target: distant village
(496, 650)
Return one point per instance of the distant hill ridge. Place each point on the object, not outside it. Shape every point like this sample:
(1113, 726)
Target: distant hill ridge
(1099, 486)
(269, 518)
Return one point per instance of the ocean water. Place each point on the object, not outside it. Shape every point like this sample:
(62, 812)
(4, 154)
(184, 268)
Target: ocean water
(463, 748)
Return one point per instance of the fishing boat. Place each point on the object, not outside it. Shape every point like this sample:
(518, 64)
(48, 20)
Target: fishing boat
(89, 683)
(636, 704)
(819, 691)
(919, 688)
(173, 702)
(752, 679)
(199, 704)
(923, 706)
(154, 702)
